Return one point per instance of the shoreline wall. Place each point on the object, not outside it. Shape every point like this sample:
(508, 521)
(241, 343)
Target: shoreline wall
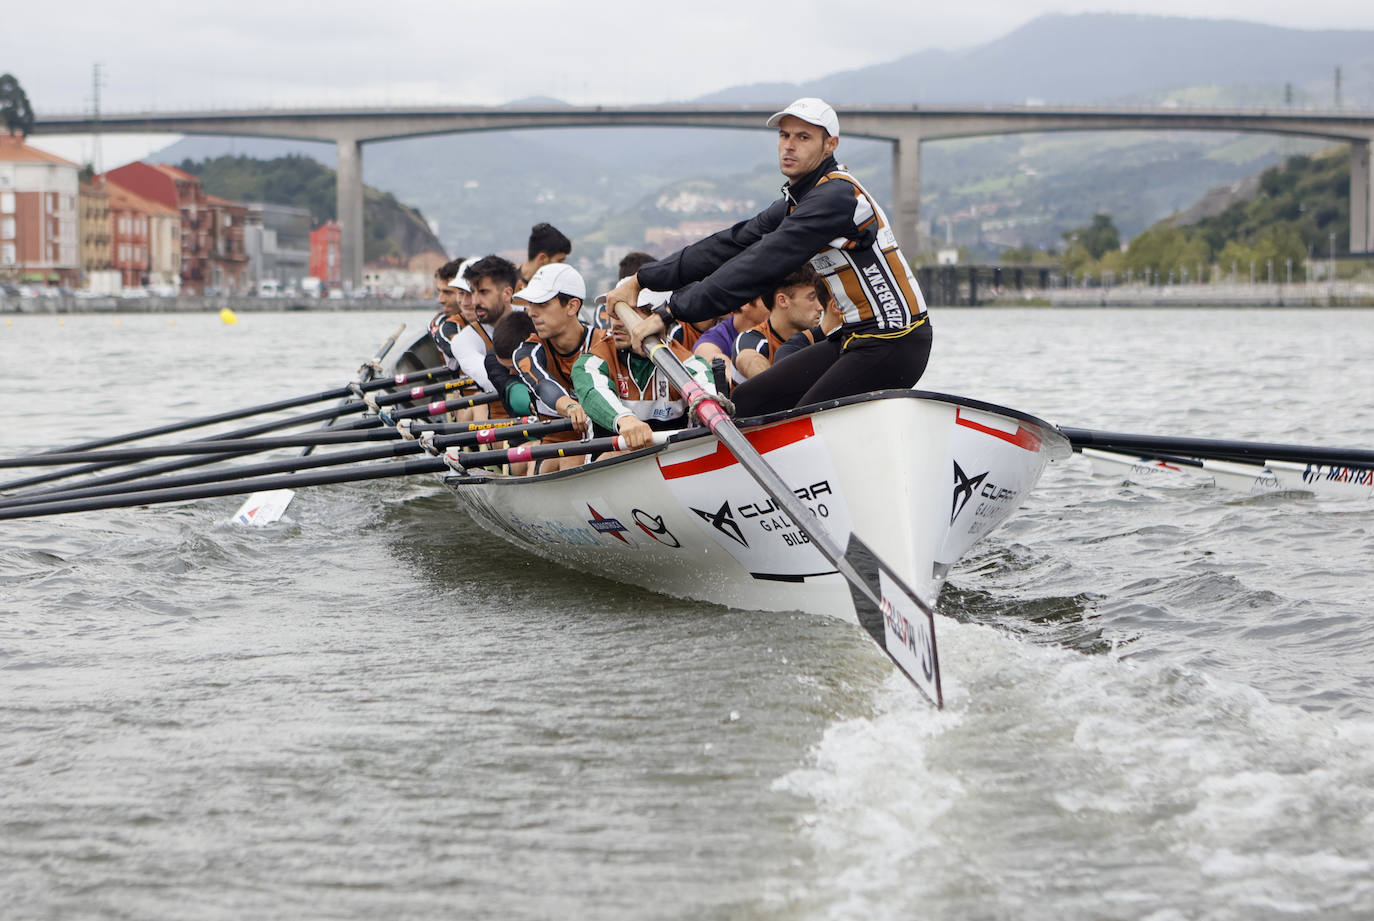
(204, 304)
(1299, 294)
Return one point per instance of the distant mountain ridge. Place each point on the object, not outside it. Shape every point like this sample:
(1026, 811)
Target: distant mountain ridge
(484, 190)
(1050, 59)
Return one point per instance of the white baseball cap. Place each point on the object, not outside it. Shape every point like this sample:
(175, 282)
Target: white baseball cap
(647, 298)
(551, 280)
(459, 281)
(813, 111)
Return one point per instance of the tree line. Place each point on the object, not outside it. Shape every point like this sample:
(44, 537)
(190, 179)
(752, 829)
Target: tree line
(1302, 205)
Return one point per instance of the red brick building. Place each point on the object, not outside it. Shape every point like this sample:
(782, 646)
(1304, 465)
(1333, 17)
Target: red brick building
(325, 244)
(39, 217)
(212, 254)
(129, 236)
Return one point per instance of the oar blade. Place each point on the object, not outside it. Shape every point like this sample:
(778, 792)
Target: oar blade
(263, 508)
(899, 622)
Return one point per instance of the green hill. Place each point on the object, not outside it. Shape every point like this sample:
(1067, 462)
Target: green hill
(1297, 210)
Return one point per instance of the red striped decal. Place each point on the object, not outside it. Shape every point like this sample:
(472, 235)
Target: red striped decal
(1022, 437)
(763, 440)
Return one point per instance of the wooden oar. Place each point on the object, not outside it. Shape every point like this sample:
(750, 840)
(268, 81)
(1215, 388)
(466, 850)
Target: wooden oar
(440, 443)
(1218, 449)
(897, 619)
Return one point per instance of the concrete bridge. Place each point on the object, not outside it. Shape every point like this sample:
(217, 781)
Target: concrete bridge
(904, 128)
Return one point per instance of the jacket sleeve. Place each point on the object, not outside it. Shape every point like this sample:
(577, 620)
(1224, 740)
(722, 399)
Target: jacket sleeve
(751, 339)
(443, 334)
(800, 341)
(471, 354)
(698, 260)
(515, 396)
(529, 363)
(825, 214)
(594, 389)
(701, 373)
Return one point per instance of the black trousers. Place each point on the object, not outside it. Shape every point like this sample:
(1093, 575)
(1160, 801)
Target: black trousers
(823, 372)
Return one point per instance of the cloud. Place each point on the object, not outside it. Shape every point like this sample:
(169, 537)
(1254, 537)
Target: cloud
(158, 54)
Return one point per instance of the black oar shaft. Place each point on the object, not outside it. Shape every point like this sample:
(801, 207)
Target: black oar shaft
(441, 442)
(335, 393)
(1217, 449)
(236, 488)
(541, 452)
(430, 409)
(216, 445)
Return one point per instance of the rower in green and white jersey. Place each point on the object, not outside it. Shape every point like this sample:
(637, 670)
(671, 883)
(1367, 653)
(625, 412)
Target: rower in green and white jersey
(624, 393)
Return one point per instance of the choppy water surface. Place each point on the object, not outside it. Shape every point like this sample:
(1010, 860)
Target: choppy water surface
(1160, 702)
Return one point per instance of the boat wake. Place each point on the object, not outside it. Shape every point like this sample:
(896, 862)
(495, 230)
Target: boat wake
(1057, 785)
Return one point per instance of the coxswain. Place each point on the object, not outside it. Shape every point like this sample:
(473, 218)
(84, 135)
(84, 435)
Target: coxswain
(545, 360)
(826, 217)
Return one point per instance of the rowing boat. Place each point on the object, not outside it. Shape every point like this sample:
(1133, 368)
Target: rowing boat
(918, 476)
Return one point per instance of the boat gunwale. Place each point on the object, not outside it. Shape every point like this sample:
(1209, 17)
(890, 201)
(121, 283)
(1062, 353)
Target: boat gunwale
(751, 422)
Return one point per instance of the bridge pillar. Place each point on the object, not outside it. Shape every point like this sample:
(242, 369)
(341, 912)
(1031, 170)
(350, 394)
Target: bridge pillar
(906, 192)
(1361, 198)
(349, 192)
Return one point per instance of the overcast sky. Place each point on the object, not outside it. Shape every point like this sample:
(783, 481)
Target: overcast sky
(169, 55)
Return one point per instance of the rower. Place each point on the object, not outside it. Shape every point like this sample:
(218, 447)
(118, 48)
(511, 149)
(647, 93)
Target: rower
(512, 329)
(545, 360)
(625, 393)
(831, 320)
(547, 245)
(792, 308)
(447, 323)
(492, 282)
(630, 263)
(719, 340)
(825, 216)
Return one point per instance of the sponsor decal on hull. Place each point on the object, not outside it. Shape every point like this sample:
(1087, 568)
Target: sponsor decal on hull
(653, 526)
(993, 461)
(603, 525)
(744, 521)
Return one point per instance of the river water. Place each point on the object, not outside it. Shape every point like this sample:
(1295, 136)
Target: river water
(1160, 701)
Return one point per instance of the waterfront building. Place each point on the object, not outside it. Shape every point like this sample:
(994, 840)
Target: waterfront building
(93, 208)
(129, 236)
(146, 239)
(276, 239)
(212, 255)
(325, 244)
(39, 217)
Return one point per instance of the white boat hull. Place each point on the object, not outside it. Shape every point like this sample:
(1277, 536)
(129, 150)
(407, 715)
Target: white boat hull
(918, 477)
